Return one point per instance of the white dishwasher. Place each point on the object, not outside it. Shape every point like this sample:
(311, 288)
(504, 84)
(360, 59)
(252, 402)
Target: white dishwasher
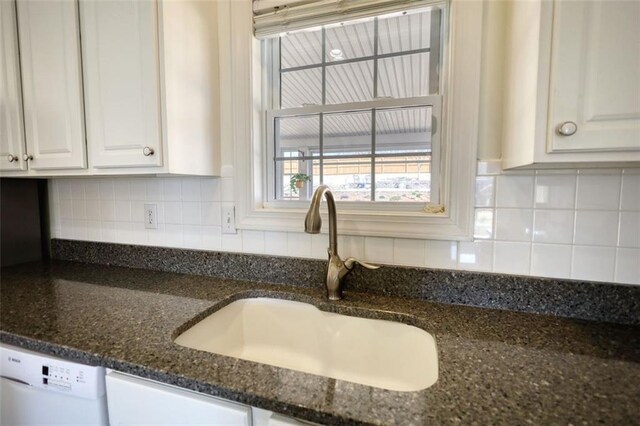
(38, 389)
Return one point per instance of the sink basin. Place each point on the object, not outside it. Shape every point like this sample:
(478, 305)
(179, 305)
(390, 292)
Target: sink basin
(299, 336)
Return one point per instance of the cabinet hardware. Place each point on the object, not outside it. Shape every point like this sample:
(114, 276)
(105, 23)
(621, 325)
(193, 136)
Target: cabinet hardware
(567, 128)
(147, 151)
(12, 158)
(27, 157)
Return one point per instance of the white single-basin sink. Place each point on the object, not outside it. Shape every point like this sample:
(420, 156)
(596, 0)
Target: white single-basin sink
(299, 336)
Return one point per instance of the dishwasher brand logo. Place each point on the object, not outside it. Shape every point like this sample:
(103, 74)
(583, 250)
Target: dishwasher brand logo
(12, 359)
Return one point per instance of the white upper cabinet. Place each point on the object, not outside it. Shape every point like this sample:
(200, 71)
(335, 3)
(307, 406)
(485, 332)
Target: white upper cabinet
(122, 81)
(11, 124)
(52, 85)
(573, 84)
(151, 86)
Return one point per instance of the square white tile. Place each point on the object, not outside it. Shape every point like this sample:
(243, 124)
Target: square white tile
(511, 258)
(252, 241)
(192, 236)
(351, 246)
(173, 212)
(275, 243)
(211, 237)
(298, 244)
(628, 266)
(629, 229)
(172, 189)
(483, 224)
(630, 192)
(553, 226)
(514, 191)
(92, 189)
(485, 189)
(138, 189)
(108, 210)
(408, 252)
(593, 263)
(596, 227)
(378, 250)
(123, 211)
(211, 214)
(598, 192)
(555, 191)
(121, 188)
(191, 213)
(514, 224)
(475, 255)
(155, 191)
(190, 189)
(551, 260)
(232, 242)
(319, 246)
(210, 189)
(441, 254)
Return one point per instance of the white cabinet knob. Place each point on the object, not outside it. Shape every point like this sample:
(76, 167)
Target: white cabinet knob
(147, 151)
(567, 128)
(12, 158)
(27, 157)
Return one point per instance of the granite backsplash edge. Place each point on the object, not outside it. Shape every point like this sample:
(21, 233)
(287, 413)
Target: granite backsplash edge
(594, 301)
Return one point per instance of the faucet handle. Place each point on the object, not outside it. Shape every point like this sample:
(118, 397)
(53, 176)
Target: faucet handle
(350, 261)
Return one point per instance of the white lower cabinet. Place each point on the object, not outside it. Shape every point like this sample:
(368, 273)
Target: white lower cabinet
(135, 401)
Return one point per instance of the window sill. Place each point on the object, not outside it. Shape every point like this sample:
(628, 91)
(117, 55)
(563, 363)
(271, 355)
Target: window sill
(376, 224)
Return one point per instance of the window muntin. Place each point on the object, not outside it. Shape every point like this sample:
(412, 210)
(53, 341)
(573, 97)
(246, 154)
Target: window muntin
(372, 86)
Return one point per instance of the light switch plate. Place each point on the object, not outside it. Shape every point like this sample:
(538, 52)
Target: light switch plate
(228, 219)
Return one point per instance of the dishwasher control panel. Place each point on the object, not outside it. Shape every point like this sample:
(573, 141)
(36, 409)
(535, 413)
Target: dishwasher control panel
(50, 373)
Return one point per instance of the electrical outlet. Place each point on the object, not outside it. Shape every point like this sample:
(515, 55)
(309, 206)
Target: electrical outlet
(151, 216)
(228, 219)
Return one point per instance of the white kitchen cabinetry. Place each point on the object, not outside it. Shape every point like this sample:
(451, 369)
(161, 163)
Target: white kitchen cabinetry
(151, 86)
(11, 124)
(52, 85)
(572, 94)
(135, 401)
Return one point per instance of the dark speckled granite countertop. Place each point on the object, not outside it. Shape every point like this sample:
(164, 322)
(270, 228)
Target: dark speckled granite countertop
(496, 367)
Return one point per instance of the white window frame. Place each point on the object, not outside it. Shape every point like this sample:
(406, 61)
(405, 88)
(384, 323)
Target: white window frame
(244, 64)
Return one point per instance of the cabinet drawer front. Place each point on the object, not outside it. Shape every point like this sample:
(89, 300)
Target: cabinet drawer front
(122, 81)
(52, 86)
(138, 401)
(596, 76)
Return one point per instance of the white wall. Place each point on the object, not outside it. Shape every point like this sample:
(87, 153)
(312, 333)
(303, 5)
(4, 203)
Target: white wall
(573, 224)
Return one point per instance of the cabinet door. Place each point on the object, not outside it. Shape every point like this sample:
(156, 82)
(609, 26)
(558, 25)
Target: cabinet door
(134, 401)
(596, 75)
(122, 81)
(11, 125)
(52, 85)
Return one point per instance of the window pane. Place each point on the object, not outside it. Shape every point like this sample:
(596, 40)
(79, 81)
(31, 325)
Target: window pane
(347, 133)
(294, 178)
(349, 178)
(403, 130)
(299, 135)
(404, 76)
(301, 48)
(403, 179)
(349, 41)
(300, 88)
(403, 32)
(351, 82)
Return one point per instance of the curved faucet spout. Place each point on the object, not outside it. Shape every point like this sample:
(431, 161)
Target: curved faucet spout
(337, 269)
(313, 222)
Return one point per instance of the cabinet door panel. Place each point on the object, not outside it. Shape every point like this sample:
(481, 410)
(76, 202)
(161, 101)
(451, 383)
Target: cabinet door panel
(11, 125)
(52, 86)
(596, 72)
(134, 401)
(121, 70)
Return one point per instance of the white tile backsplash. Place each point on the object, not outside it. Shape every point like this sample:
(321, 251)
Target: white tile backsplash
(598, 191)
(514, 191)
(553, 226)
(568, 224)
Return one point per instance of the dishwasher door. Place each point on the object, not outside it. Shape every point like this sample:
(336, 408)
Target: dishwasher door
(22, 404)
(38, 389)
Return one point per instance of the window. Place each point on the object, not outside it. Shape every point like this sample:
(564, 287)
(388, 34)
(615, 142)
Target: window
(357, 106)
(270, 148)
